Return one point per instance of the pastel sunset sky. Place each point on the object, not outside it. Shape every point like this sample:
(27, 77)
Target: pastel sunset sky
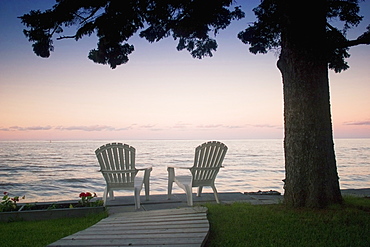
(160, 93)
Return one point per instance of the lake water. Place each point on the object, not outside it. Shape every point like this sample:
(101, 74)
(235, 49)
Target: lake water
(45, 171)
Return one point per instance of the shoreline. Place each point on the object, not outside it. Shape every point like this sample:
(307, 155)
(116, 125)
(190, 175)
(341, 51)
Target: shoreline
(362, 192)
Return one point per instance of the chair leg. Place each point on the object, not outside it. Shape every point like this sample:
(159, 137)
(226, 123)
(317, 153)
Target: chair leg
(171, 177)
(199, 191)
(111, 194)
(147, 192)
(105, 196)
(169, 192)
(215, 192)
(146, 183)
(189, 195)
(137, 198)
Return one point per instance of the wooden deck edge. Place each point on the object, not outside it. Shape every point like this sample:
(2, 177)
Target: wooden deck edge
(189, 210)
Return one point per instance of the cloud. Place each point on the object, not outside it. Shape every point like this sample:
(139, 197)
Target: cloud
(220, 126)
(66, 128)
(147, 126)
(234, 126)
(31, 128)
(39, 128)
(210, 126)
(357, 123)
(88, 128)
(151, 127)
(266, 126)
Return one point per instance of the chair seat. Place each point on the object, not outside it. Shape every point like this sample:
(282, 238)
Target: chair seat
(184, 179)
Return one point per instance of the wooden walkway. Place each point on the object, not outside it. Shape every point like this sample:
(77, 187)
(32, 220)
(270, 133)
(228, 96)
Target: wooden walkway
(170, 227)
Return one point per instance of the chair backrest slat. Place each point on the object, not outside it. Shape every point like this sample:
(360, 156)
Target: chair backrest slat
(207, 162)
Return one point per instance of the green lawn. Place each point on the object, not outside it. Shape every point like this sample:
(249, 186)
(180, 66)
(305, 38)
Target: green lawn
(243, 224)
(239, 224)
(42, 233)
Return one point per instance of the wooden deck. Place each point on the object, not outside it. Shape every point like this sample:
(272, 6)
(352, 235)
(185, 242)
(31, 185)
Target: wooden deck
(170, 227)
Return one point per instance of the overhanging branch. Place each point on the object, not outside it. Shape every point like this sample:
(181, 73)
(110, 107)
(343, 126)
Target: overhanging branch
(66, 37)
(359, 41)
(363, 39)
(85, 19)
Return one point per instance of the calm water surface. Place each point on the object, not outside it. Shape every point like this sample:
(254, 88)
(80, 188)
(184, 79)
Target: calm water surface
(45, 171)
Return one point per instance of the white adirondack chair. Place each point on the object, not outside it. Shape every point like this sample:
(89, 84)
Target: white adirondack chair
(207, 162)
(117, 164)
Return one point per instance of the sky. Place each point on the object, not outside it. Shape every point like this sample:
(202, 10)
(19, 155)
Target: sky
(160, 93)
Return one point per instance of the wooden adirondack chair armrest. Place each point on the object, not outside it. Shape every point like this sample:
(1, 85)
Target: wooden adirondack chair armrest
(147, 171)
(116, 171)
(178, 167)
(149, 168)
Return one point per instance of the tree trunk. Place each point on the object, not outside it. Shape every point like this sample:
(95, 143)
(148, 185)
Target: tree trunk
(311, 173)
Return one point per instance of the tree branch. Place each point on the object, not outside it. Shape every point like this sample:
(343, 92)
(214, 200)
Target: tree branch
(363, 39)
(358, 41)
(84, 19)
(66, 37)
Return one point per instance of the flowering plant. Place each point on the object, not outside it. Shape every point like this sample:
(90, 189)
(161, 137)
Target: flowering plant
(9, 203)
(86, 199)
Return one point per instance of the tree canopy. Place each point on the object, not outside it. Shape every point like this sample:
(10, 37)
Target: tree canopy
(193, 23)
(265, 33)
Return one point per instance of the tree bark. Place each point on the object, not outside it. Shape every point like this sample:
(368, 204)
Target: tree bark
(310, 165)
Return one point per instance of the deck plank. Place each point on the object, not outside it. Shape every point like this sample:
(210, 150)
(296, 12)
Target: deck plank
(171, 227)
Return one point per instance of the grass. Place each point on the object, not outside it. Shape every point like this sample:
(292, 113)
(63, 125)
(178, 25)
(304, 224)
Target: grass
(242, 224)
(238, 224)
(42, 233)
